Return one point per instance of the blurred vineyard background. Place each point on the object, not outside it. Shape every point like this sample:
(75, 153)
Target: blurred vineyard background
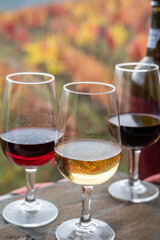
(75, 40)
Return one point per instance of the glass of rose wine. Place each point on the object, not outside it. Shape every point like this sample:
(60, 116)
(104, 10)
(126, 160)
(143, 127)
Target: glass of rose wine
(27, 138)
(138, 91)
(88, 152)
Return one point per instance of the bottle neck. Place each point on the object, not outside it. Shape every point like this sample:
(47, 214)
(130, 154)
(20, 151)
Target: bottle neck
(153, 44)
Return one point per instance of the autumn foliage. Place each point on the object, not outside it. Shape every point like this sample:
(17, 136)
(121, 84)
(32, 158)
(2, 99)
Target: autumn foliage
(83, 39)
(78, 40)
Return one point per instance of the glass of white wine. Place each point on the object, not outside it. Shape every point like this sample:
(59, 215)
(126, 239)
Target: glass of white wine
(89, 151)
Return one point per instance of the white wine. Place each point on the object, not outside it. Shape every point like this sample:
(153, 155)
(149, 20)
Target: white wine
(88, 161)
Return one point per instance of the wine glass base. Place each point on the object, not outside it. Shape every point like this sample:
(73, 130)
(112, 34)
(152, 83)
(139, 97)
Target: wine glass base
(141, 192)
(71, 230)
(30, 215)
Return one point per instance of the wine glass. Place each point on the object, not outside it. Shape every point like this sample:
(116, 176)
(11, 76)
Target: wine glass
(89, 151)
(27, 137)
(138, 88)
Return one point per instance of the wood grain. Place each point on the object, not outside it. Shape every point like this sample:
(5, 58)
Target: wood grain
(130, 221)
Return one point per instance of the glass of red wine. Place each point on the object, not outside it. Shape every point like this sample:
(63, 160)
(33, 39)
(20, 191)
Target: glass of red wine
(28, 132)
(138, 90)
(89, 151)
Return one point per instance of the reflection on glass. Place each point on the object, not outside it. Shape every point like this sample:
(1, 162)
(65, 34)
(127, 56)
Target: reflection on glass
(138, 89)
(89, 151)
(28, 139)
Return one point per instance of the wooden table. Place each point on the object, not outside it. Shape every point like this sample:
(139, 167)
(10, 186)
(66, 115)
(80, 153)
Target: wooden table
(130, 221)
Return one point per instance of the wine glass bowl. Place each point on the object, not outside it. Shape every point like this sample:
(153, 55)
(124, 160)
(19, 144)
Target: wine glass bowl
(28, 133)
(138, 88)
(89, 150)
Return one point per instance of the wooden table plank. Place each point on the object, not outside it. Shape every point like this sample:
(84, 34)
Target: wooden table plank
(130, 221)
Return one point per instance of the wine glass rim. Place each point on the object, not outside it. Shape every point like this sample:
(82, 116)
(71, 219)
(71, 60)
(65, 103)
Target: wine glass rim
(65, 87)
(9, 77)
(121, 66)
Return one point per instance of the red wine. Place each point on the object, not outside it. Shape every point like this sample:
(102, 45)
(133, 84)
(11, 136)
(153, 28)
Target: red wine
(29, 146)
(138, 130)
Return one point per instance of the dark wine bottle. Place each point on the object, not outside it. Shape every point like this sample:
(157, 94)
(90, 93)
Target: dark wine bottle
(152, 49)
(150, 157)
(153, 44)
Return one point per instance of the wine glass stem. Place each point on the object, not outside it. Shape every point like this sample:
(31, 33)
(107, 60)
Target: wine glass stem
(133, 167)
(30, 184)
(85, 219)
